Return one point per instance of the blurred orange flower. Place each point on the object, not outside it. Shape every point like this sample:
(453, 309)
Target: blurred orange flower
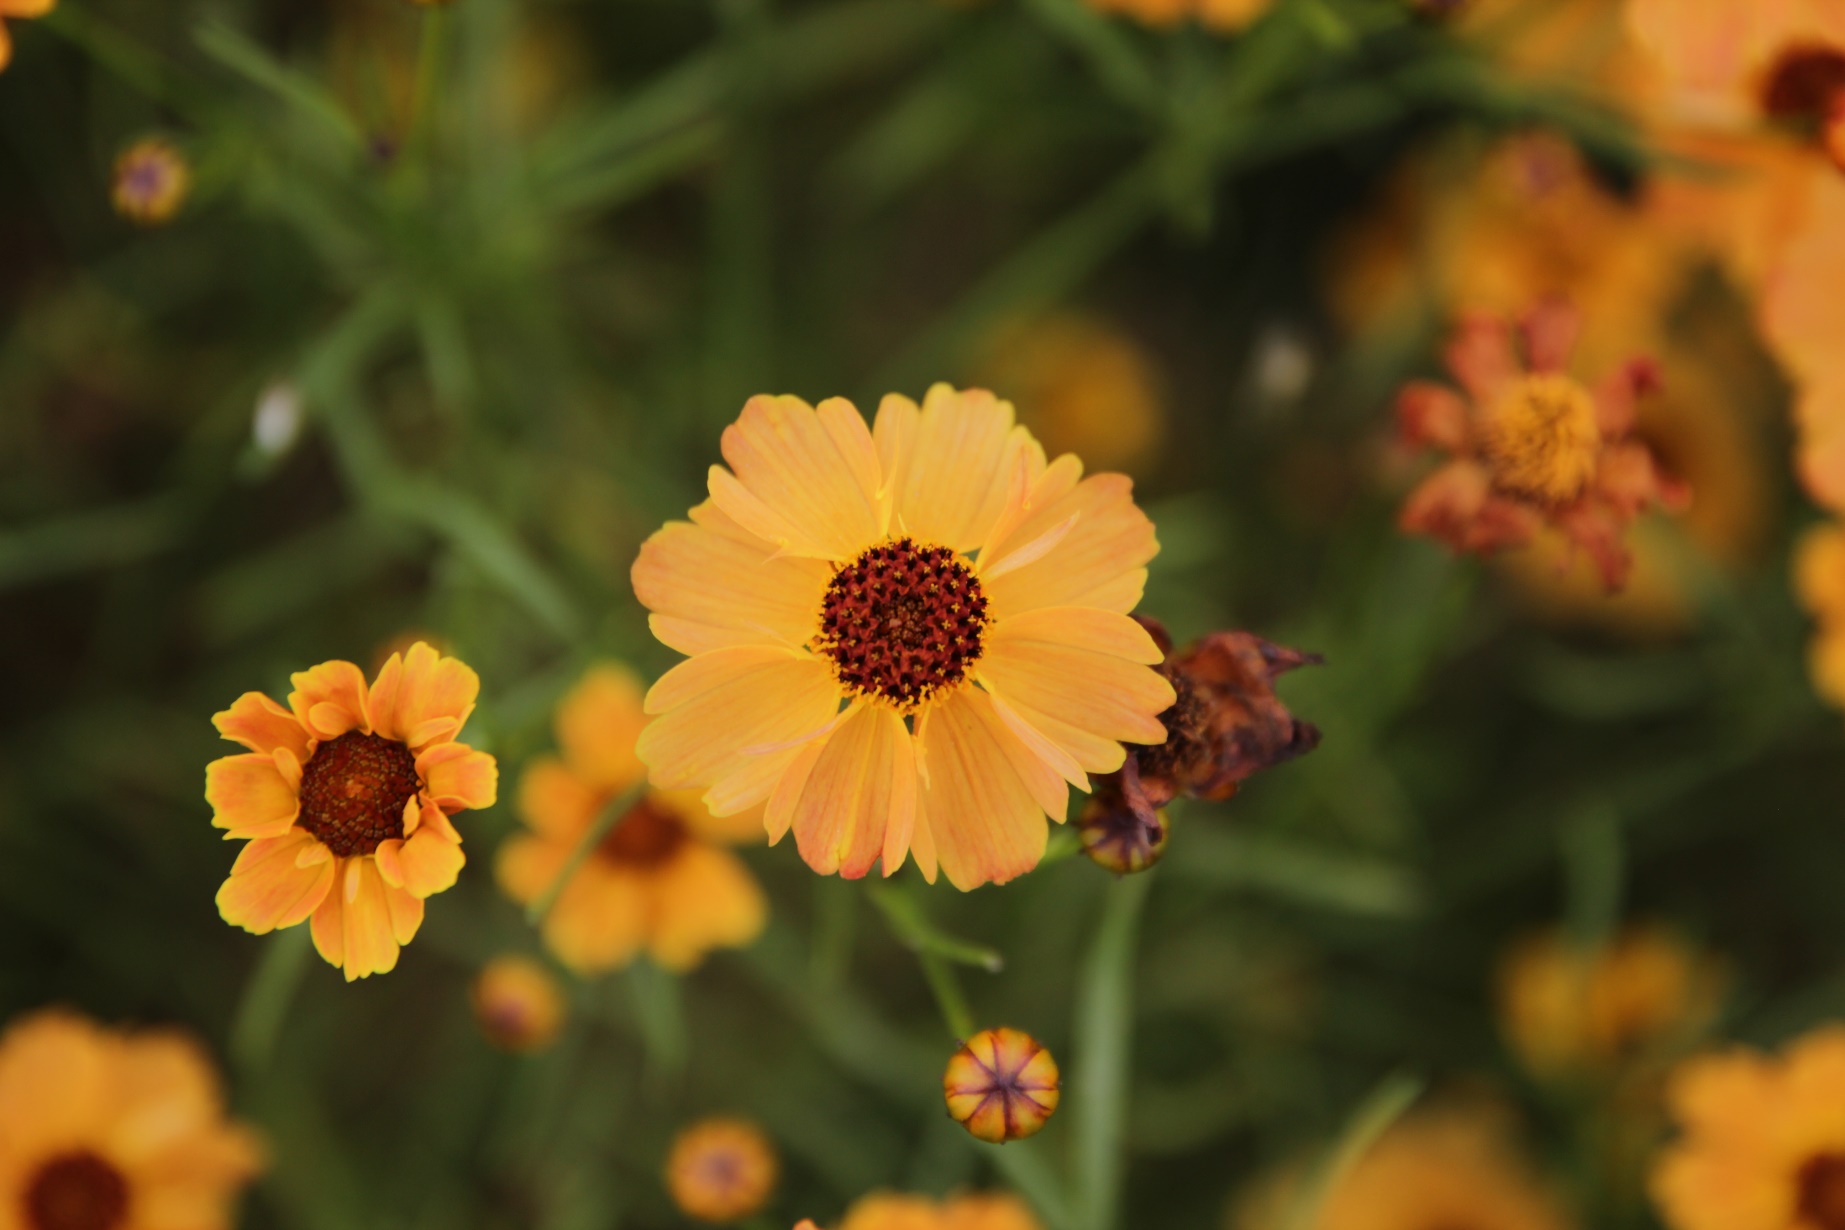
(1761, 1139)
(721, 1170)
(1083, 386)
(1002, 1085)
(660, 881)
(105, 1130)
(518, 1003)
(1530, 446)
(973, 1211)
(829, 596)
(152, 179)
(1223, 16)
(18, 8)
(345, 798)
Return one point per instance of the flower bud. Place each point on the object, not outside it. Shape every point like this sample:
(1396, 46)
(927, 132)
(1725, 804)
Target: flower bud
(1001, 1085)
(1116, 835)
(518, 1004)
(721, 1170)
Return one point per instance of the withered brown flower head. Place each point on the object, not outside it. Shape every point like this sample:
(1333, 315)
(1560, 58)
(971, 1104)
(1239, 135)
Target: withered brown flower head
(1226, 725)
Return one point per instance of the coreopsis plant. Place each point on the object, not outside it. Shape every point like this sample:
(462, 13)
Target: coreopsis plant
(1529, 446)
(344, 798)
(908, 640)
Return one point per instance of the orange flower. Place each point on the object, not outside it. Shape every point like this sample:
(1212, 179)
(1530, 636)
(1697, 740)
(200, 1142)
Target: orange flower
(1532, 446)
(1083, 385)
(345, 798)
(18, 8)
(1223, 16)
(721, 1170)
(973, 1211)
(1002, 1085)
(658, 881)
(907, 640)
(152, 179)
(1734, 59)
(1567, 1011)
(518, 1003)
(1762, 1141)
(103, 1130)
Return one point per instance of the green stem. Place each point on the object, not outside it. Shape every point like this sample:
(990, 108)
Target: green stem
(616, 808)
(428, 81)
(266, 997)
(948, 996)
(1103, 1034)
(123, 56)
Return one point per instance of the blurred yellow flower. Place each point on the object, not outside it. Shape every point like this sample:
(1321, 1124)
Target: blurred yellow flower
(345, 798)
(1761, 1139)
(518, 1003)
(721, 1170)
(152, 179)
(659, 882)
(838, 622)
(1002, 1085)
(969, 1211)
(1730, 60)
(18, 8)
(1567, 1012)
(1223, 16)
(1084, 387)
(105, 1130)
(1442, 1169)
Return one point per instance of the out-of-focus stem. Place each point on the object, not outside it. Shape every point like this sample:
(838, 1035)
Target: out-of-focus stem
(1103, 1035)
(615, 809)
(266, 998)
(948, 996)
(428, 80)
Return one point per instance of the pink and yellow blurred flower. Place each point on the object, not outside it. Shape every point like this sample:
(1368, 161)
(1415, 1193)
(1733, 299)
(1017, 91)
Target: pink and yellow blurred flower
(344, 798)
(908, 640)
(721, 1170)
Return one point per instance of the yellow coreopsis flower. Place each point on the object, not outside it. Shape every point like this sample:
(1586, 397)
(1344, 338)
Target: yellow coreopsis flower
(345, 798)
(661, 881)
(721, 1170)
(1762, 1140)
(970, 1211)
(102, 1130)
(909, 639)
(18, 8)
(518, 1003)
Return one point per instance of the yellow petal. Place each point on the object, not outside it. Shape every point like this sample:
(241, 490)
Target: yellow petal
(984, 823)
(457, 778)
(1081, 627)
(430, 863)
(526, 866)
(262, 726)
(709, 589)
(330, 699)
(736, 827)
(806, 479)
(744, 700)
(598, 721)
(1097, 694)
(249, 797)
(705, 898)
(863, 783)
(406, 913)
(268, 888)
(599, 921)
(555, 801)
(417, 697)
(955, 480)
(1101, 561)
(368, 928)
(1039, 763)
(57, 1064)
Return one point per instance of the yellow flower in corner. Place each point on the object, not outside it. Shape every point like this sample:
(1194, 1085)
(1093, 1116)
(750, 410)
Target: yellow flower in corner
(345, 798)
(660, 881)
(908, 639)
(1762, 1142)
(18, 8)
(102, 1130)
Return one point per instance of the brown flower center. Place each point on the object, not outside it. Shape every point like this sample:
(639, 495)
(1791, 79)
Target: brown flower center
(646, 836)
(1821, 1188)
(353, 791)
(903, 621)
(76, 1191)
(1540, 438)
(1804, 83)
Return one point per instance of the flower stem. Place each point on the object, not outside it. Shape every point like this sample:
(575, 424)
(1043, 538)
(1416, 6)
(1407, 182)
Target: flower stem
(614, 810)
(948, 996)
(428, 81)
(266, 997)
(1103, 1033)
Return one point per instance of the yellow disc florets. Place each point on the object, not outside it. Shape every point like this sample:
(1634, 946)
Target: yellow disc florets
(1540, 438)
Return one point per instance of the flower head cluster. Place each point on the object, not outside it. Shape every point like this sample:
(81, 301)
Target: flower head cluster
(661, 881)
(1529, 446)
(1761, 1140)
(721, 1170)
(103, 1130)
(907, 640)
(344, 798)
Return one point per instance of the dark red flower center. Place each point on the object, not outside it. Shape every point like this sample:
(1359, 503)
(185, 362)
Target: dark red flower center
(903, 621)
(353, 791)
(76, 1191)
(1804, 83)
(646, 836)
(1821, 1186)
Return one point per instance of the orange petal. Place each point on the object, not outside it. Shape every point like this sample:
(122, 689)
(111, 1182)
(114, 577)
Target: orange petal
(1480, 356)
(425, 699)
(269, 888)
(798, 480)
(983, 822)
(6, 47)
(249, 797)
(330, 699)
(1430, 414)
(954, 482)
(1097, 693)
(599, 921)
(709, 589)
(526, 866)
(705, 898)
(1100, 562)
(720, 708)
(555, 801)
(458, 778)
(262, 726)
(406, 913)
(598, 722)
(430, 863)
(863, 783)
(367, 928)
(743, 827)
